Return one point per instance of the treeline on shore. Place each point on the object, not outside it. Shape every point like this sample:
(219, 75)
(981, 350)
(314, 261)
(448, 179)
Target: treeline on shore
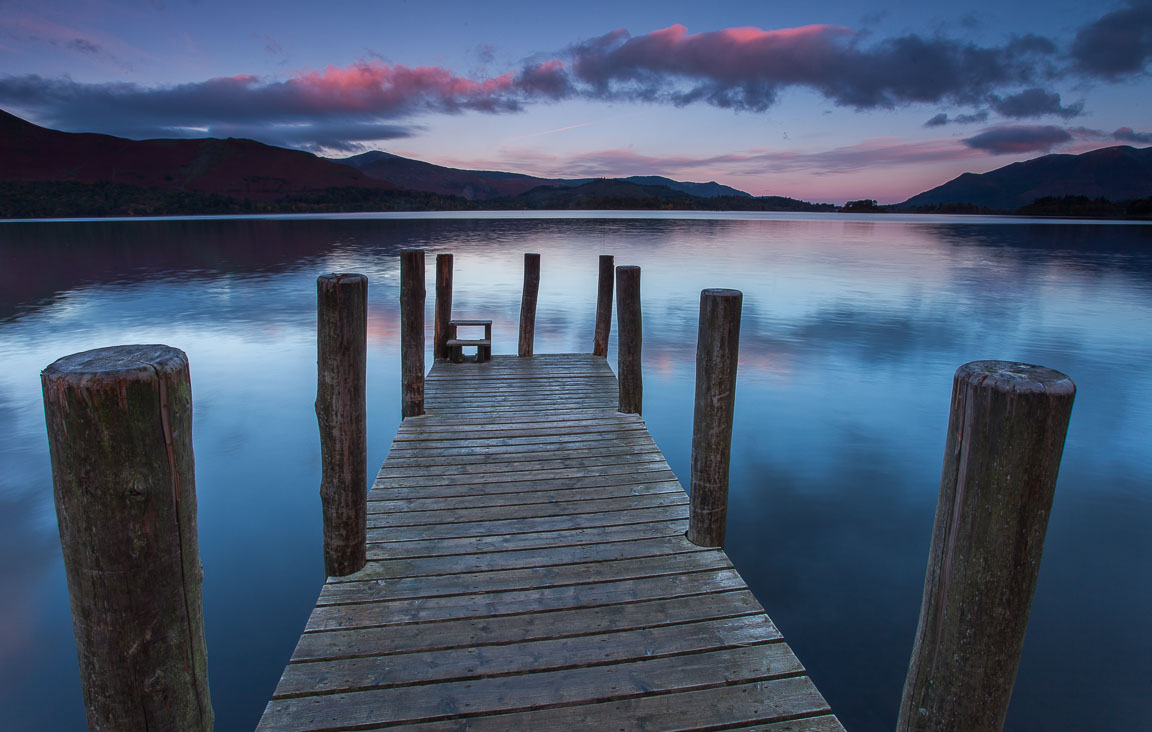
(1055, 206)
(68, 199)
(51, 199)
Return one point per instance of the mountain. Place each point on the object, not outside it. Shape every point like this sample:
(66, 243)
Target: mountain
(485, 185)
(711, 189)
(619, 194)
(47, 173)
(1118, 173)
(232, 167)
(474, 185)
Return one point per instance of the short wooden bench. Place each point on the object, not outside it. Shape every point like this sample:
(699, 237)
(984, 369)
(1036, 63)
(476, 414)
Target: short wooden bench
(456, 344)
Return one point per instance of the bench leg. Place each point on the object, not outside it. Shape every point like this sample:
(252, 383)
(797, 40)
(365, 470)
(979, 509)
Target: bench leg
(456, 354)
(483, 353)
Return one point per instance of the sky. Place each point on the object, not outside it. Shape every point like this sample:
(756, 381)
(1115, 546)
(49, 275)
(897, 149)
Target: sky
(819, 100)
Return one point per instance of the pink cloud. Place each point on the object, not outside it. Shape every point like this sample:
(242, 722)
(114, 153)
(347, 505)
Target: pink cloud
(372, 86)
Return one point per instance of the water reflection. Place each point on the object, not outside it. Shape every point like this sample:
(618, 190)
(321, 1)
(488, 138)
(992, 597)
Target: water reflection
(852, 329)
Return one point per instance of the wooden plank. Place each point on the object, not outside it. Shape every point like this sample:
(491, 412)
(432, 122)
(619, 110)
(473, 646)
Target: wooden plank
(474, 632)
(420, 428)
(571, 440)
(379, 612)
(414, 478)
(347, 589)
(471, 500)
(523, 692)
(534, 416)
(718, 708)
(635, 483)
(586, 651)
(526, 510)
(542, 539)
(558, 431)
(465, 466)
(527, 525)
(526, 558)
(409, 451)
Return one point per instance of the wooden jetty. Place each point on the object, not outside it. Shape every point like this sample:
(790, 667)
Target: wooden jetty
(525, 559)
(528, 569)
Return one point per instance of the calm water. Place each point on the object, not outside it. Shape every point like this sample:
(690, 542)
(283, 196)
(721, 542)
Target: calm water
(852, 329)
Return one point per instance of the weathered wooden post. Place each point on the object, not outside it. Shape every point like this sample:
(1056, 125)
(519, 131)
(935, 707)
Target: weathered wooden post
(412, 296)
(628, 323)
(342, 355)
(717, 354)
(1005, 437)
(443, 304)
(120, 437)
(604, 306)
(528, 303)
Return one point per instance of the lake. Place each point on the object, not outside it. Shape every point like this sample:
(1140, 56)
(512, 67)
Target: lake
(852, 329)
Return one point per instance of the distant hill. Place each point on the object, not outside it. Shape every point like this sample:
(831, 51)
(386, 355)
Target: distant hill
(619, 194)
(232, 167)
(47, 173)
(474, 185)
(1118, 173)
(711, 189)
(484, 185)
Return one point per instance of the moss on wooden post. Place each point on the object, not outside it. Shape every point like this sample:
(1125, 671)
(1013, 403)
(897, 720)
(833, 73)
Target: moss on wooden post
(120, 437)
(342, 353)
(1005, 438)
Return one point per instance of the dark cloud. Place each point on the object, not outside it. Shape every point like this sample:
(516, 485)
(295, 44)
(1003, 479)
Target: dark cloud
(1127, 134)
(315, 136)
(746, 68)
(309, 110)
(83, 45)
(733, 68)
(1018, 139)
(967, 119)
(1116, 45)
(1035, 102)
(961, 119)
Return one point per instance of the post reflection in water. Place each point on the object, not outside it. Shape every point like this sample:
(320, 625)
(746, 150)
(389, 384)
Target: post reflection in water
(851, 332)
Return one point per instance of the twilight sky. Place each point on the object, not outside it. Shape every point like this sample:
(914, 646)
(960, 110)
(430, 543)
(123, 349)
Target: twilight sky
(823, 100)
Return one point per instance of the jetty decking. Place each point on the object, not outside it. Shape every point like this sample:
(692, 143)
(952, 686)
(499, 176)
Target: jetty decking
(528, 569)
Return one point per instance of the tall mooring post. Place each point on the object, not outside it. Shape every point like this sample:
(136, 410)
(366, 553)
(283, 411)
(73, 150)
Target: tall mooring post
(412, 298)
(120, 437)
(1005, 438)
(443, 305)
(341, 412)
(604, 306)
(528, 304)
(717, 354)
(630, 339)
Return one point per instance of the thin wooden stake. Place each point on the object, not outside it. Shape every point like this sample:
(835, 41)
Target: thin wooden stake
(342, 354)
(443, 304)
(628, 347)
(1005, 438)
(604, 306)
(717, 354)
(528, 303)
(412, 298)
(120, 437)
